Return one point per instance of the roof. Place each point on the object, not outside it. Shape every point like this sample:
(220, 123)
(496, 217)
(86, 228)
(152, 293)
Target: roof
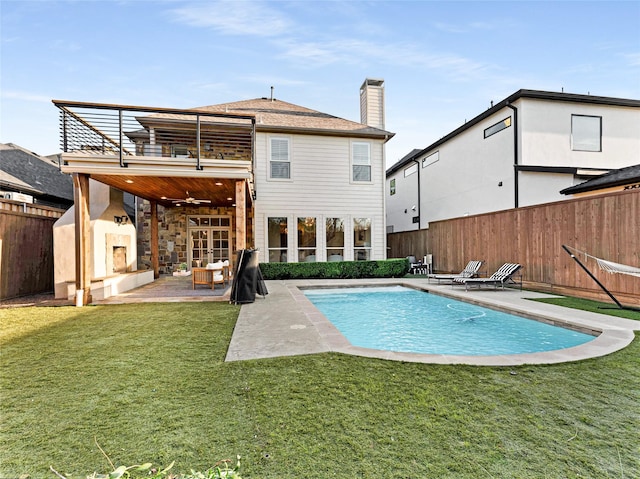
(621, 177)
(30, 173)
(278, 115)
(531, 94)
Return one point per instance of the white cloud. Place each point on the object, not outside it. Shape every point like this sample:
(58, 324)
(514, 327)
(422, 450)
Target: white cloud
(633, 59)
(25, 96)
(234, 17)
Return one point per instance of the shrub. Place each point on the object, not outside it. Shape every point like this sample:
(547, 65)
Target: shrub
(390, 268)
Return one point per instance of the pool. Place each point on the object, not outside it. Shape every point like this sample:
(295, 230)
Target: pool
(401, 319)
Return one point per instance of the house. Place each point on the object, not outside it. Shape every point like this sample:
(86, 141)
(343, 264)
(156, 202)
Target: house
(294, 183)
(521, 151)
(28, 177)
(616, 180)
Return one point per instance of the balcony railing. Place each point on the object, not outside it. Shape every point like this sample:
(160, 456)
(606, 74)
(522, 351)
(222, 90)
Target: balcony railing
(91, 129)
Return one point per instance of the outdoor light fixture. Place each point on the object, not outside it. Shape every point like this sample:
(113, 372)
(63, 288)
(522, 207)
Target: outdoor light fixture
(121, 220)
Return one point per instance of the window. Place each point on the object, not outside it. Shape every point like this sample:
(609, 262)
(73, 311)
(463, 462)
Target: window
(431, 159)
(307, 239)
(392, 187)
(410, 170)
(361, 239)
(361, 162)
(277, 234)
(586, 133)
(334, 230)
(280, 163)
(501, 125)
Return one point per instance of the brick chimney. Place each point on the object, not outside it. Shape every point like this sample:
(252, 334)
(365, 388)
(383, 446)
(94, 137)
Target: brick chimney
(372, 103)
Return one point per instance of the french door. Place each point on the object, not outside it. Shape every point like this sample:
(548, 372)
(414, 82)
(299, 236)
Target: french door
(209, 240)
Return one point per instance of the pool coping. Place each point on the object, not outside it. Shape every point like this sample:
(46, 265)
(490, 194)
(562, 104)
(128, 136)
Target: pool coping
(286, 323)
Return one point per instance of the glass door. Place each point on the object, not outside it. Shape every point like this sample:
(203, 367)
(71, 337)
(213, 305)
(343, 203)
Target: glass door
(209, 240)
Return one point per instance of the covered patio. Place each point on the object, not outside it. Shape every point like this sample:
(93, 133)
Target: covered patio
(187, 169)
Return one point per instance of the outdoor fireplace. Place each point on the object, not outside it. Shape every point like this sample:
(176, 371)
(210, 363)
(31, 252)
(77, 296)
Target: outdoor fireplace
(119, 259)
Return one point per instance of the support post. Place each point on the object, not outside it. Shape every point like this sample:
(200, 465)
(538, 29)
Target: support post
(82, 238)
(593, 277)
(153, 240)
(241, 215)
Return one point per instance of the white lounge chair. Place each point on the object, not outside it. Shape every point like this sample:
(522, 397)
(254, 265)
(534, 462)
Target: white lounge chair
(502, 276)
(469, 271)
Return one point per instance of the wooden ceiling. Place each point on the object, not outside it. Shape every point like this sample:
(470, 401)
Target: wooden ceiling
(163, 189)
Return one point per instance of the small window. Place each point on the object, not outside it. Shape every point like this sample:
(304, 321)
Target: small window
(586, 133)
(493, 129)
(361, 239)
(431, 159)
(392, 187)
(307, 239)
(361, 162)
(280, 163)
(411, 170)
(277, 233)
(334, 230)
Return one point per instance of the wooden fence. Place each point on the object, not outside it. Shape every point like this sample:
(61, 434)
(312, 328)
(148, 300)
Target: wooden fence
(26, 248)
(605, 226)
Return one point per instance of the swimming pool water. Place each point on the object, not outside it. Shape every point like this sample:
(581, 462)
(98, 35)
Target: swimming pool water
(402, 319)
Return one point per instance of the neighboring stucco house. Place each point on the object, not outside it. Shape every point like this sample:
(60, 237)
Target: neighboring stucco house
(522, 151)
(294, 183)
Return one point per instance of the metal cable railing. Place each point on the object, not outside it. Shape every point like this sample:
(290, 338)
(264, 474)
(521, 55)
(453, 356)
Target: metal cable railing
(124, 131)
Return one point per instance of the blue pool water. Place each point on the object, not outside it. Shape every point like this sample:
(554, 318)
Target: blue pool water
(401, 319)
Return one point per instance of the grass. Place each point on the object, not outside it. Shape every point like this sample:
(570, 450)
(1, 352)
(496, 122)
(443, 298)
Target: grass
(149, 382)
(590, 305)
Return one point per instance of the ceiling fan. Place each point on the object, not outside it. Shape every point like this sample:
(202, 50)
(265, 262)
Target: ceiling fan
(190, 200)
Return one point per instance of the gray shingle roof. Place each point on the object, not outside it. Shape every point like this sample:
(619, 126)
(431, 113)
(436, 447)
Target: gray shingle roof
(278, 114)
(623, 176)
(32, 174)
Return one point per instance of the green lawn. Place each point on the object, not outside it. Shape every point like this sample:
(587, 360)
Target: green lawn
(148, 382)
(590, 305)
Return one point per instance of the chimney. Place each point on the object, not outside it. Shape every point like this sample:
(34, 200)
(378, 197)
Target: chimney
(372, 103)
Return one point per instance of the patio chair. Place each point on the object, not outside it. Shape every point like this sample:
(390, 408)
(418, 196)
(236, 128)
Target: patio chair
(212, 274)
(469, 271)
(502, 276)
(414, 264)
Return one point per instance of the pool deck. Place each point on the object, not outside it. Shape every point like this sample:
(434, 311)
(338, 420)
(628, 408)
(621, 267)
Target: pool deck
(286, 323)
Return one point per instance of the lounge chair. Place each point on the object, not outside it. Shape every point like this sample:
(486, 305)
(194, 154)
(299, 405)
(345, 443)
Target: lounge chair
(469, 271)
(502, 276)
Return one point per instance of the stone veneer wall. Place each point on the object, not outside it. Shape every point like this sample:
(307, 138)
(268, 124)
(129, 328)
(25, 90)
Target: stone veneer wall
(172, 226)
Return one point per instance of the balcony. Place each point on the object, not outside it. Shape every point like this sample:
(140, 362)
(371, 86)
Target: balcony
(157, 152)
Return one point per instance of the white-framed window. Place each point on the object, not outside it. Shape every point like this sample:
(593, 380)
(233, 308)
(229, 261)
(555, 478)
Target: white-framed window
(307, 239)
(361, 239)
(431, 159)
(392, 187)
(279, 158)
(501, 125)
(586, 133)
(334, 234)
(410, 170)
(361, 161)
(277, 233)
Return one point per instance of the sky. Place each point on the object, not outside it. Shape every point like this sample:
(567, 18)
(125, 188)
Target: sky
(443, 63)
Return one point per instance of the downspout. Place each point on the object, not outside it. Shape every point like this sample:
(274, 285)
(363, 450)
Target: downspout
(515, 155)
(417, 162)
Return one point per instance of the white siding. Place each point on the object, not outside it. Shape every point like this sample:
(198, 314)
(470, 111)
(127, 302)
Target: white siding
(320, 187)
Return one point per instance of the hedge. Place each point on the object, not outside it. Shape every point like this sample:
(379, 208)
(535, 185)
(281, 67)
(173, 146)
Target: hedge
(390, 268)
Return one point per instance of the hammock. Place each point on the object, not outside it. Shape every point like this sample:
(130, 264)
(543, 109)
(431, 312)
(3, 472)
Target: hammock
(610, 266)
